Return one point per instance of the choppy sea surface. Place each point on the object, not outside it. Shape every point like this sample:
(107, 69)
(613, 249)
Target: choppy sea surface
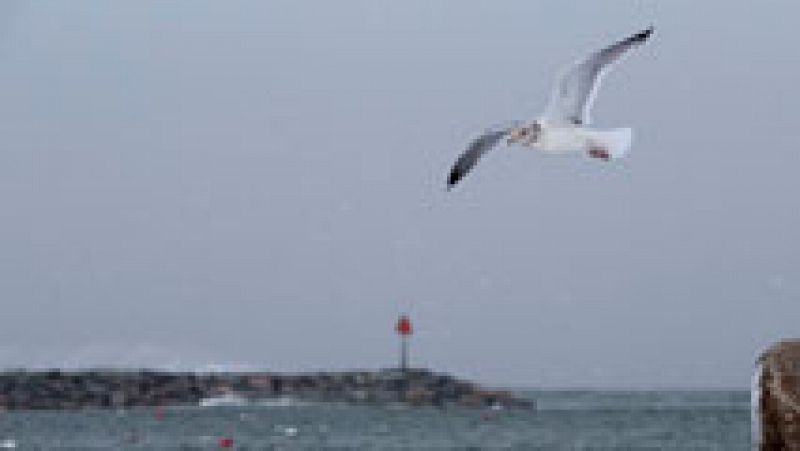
(563, 420)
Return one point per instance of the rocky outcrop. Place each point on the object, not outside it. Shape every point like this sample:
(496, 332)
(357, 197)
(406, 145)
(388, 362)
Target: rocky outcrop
(776, 398)
(56, 389)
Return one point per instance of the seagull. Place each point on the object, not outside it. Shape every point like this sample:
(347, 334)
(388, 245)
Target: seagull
(562, 128)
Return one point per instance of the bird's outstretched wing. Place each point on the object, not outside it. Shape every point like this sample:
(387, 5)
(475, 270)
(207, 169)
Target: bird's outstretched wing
(474, 152)
(576, 88)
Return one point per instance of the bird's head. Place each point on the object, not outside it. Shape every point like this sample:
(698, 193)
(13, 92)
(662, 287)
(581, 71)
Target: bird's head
(526, 134)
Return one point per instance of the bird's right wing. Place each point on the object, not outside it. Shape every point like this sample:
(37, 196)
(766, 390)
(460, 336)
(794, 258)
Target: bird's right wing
(474, 152)
(576, 88)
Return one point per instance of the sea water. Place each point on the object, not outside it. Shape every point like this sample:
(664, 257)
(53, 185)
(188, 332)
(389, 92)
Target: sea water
(562, 420)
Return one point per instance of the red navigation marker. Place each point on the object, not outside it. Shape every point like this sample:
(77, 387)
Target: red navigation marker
(226, 442)
(404, 329)
(404, 326)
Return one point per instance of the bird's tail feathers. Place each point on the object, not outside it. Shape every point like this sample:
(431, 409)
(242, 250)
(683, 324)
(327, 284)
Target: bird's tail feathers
(616, 142)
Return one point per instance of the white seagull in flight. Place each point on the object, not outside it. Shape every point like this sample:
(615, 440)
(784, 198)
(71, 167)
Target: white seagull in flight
(562, 127)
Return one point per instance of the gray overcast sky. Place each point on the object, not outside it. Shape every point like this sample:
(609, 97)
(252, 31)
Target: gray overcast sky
(262, 183)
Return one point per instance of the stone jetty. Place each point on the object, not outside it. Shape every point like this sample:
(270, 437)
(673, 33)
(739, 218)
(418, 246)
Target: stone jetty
(98, 388)
(776, 398)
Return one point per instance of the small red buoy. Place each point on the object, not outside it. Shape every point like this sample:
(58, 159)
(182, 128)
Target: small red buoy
(226, 442)
(159, 413)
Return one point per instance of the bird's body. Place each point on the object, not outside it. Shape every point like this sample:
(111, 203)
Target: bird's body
(562, 129)
(560, 139)
(566, 139)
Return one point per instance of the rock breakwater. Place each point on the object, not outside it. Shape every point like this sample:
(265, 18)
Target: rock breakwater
(61, 389)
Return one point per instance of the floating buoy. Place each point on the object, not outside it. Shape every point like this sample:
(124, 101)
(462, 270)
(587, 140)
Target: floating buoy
(159, 413)
(226, 442)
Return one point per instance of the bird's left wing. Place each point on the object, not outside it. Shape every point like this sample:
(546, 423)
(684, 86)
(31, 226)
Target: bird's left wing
(575, 91)
(474, 152)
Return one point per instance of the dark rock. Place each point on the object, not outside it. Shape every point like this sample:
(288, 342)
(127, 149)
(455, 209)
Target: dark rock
(777, 397)
(57, 389)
